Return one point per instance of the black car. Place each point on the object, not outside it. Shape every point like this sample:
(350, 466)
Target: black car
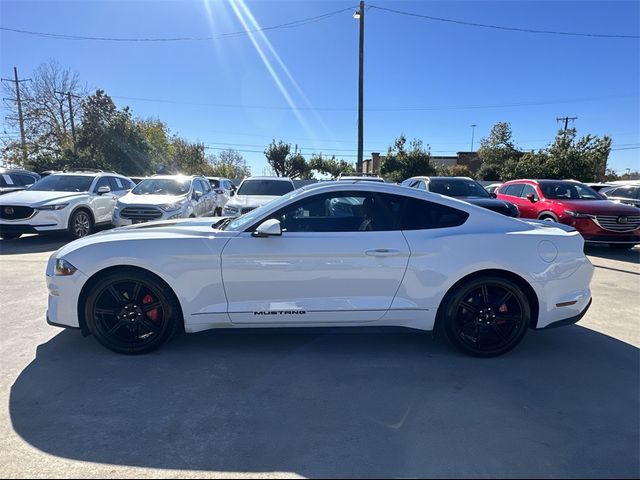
(465, 189)
(13, 179)
(629, 194)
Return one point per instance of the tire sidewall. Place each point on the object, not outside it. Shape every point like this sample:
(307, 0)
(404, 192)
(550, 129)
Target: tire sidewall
(450, 311)
(169, 305)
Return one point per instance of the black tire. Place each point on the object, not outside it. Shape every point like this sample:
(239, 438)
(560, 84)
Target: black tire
(486, 316)
(131, 312)
(10, 236)
(80, 224)
(621, 246)
(217, 212)
(548, 218)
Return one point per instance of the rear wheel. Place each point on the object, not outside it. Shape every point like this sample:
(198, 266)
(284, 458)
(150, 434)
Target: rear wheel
(621, 246)
(131, 312)
(548, 218)
(487, 316)
(80, 224)
(10, 236)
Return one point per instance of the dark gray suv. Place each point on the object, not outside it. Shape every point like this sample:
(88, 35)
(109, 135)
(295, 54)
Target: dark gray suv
(14, 179)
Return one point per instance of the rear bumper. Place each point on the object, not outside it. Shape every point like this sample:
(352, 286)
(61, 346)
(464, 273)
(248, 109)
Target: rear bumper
(568, 321)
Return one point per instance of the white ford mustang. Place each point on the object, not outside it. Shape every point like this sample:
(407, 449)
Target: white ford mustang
(333, 254)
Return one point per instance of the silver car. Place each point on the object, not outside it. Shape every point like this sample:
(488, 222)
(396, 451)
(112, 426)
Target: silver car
(164, 197)
(225, 189)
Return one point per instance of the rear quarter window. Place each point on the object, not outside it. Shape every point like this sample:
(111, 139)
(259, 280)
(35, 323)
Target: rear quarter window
(423, 215)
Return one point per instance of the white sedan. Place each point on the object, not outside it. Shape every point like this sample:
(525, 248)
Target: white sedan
(332, 254)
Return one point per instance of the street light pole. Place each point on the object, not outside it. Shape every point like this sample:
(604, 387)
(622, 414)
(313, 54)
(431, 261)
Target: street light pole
(473, 130)
(360, 16)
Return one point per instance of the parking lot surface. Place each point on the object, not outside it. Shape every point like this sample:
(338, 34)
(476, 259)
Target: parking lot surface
(565, 403)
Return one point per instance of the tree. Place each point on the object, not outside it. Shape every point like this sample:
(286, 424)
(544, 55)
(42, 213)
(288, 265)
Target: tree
(47, 118)
(156, 134)
(495, 150)
(331, 166)
(400, 163)
(455, 171)
(110, 139)
(229, 164)
(285, 161)
(189, 159)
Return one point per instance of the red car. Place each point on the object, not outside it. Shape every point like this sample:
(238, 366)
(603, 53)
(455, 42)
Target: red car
(572, 203)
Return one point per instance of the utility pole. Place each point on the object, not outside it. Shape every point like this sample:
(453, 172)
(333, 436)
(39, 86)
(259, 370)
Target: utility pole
(20, 117)
(566, 121)
(71, 121)
(473, 130)
(360, 16)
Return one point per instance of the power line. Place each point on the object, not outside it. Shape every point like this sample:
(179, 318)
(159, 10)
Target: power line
(502, 27)
(292, 24)
(376, 109)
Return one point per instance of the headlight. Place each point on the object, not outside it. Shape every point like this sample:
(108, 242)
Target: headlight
(573, 214)
(169, 207)
(230, 209)
(64, 268)
(57, 206)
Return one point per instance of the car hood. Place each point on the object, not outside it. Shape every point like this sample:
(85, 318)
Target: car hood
(36, 197)
(243, 201)
(133, 199)
(189, 227)
(598, 207)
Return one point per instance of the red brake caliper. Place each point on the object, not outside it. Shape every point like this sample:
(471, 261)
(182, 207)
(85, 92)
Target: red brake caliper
(503, 309)
(151, 314)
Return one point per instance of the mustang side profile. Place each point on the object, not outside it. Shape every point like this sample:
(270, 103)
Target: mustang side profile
(331, 254)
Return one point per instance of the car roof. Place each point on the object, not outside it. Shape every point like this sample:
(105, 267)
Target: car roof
(439, 178)
(278, 179)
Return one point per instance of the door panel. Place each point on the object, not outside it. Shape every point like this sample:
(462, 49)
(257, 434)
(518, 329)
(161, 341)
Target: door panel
(307, 278)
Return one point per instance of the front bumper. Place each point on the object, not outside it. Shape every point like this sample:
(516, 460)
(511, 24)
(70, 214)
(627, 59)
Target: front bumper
(24, 228)
(118, 221)
(41, 221)
(64, 293)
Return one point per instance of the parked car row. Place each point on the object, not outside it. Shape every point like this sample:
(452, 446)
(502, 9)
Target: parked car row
(77, 202)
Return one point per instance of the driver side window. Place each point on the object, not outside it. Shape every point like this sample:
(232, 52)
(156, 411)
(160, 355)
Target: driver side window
(339, 212)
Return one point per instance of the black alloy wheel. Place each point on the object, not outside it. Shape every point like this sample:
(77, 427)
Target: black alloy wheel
(486, 317)
(131, 312)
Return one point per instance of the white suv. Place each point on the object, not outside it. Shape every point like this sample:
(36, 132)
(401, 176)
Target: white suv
(254, 192)
(74, 202)
(164, 197)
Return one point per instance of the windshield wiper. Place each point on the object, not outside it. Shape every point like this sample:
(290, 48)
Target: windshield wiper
(221, 224)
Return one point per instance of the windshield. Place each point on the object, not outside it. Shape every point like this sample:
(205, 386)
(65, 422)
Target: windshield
(162, 186)
(265, 187)
(456, 187)
(63, 183)
(242, 222)
(568, 191)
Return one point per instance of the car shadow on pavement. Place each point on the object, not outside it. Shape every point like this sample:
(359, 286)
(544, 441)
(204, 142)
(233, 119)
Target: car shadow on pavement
(563, 404)
(604, 251)
(33, 244)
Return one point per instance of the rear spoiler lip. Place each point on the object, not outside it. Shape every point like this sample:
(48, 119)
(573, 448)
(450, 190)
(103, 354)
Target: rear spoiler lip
(544, 223)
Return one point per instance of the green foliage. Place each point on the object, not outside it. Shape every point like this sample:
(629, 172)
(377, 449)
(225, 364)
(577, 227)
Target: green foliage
(286, 161)
(401, 163)
(229, 164)
(455, 171)
(110, 139)
(584, 159)
(331, 166)
(158, 137)
(189, 159)
(496, 150)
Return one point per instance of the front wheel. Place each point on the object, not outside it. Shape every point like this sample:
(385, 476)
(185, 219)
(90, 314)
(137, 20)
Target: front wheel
(80, 224)
(486, 317)
(131, 312)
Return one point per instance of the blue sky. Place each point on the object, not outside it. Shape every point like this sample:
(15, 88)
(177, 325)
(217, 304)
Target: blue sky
(303, 86)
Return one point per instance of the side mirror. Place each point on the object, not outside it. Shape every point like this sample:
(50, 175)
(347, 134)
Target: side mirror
(232, 192)
(196, 195)
(268, 228)
(531, 198)
(104, 189)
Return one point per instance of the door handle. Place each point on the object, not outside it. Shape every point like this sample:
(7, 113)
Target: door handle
(382, 252)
